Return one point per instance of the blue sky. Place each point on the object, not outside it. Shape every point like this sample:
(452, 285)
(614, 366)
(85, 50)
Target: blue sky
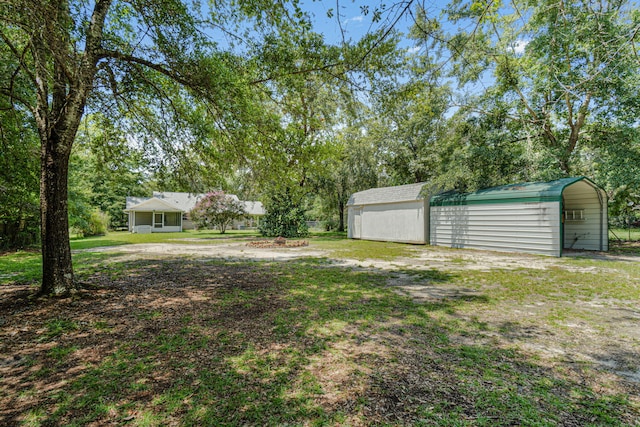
(348, 17)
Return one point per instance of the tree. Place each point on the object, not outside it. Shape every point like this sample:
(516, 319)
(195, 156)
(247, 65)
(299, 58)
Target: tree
(69, 55)
(218, 210)
(560, 67)
(18, 180)
(479, 151)
(411, 125)
(105, 169)
(352, 167)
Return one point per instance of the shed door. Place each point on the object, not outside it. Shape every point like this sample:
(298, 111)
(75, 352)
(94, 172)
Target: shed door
(357, 223)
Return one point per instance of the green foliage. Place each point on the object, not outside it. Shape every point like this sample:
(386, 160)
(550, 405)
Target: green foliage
(19, 189)
(218, 210)
(560, 69)
(284, 217)
(410, 127)
(479, 152)
(87, 222)
(104, 169)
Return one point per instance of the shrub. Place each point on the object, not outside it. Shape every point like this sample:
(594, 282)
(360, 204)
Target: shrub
(217, 210)
(283, 218)
(90, 223)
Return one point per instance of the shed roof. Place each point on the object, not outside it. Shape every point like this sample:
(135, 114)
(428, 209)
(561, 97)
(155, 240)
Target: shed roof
(400, 193)
(549, 191)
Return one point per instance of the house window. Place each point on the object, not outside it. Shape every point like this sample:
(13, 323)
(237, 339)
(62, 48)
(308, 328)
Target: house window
(172, 219)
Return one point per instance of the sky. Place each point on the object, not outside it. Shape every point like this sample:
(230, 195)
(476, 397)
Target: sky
(349, 19)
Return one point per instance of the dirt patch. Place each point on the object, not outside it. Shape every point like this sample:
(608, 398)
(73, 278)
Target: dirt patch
(278, 243)
(224, 251)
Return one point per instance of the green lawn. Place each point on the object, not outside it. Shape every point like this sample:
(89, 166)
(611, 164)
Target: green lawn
(190, 342)
(627, 234)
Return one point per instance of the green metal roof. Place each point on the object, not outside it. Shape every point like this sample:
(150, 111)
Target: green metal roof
(513, 193)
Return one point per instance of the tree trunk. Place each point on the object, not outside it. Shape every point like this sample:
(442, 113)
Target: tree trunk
(340, 216)
(57, 269)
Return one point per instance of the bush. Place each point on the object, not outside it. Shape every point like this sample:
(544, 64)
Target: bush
(283, 218)
(218, 210)
(92, 223)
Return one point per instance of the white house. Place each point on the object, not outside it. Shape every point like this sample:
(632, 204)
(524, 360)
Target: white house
(396, 214)
(168, 211)
(534, 217)
(153, 215)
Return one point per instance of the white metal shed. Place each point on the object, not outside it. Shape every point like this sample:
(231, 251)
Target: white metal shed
(395, 214)
(534, 217)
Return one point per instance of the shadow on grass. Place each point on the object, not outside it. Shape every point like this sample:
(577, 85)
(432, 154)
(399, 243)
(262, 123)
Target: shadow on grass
(188, 342)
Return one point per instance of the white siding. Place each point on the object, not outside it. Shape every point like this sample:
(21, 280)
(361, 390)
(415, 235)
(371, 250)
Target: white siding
(395, 222)
(354, 226)
(511, 227)
(587, 233)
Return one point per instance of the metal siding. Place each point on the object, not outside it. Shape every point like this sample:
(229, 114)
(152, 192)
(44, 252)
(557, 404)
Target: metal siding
(510, 227)
(583, 234)
(397, 222)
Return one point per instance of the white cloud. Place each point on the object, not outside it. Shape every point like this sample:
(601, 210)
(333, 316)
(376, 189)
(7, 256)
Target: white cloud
(519, 46)
(358, 18)
(413, 49)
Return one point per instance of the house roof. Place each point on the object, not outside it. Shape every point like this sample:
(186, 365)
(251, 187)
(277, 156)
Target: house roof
(132, 201)
(549, 191)
(183, 202)
(400, 193)
(254, 208)
(148, 204)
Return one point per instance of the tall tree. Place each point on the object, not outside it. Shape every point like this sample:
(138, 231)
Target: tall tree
(411, 125)
(106, 167)
(561, 66)
(68, 53)
(18, 179)
(352, 167)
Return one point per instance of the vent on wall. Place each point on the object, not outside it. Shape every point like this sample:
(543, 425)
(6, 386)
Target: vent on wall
(574, 215)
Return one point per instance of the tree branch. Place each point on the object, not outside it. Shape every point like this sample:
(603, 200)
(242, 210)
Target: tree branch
(120, 56)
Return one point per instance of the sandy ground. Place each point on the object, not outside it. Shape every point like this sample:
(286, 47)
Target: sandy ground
(606, 334)
(425, 257)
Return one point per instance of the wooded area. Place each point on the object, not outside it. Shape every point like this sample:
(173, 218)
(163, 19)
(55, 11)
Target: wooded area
(108, 98)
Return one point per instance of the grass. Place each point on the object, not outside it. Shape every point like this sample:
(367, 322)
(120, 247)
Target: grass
(20, 266)
(191, 342)
(362, 249)
(628, 234)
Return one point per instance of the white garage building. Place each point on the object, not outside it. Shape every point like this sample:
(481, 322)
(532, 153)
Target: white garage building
(535, 217)
(396, 214)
